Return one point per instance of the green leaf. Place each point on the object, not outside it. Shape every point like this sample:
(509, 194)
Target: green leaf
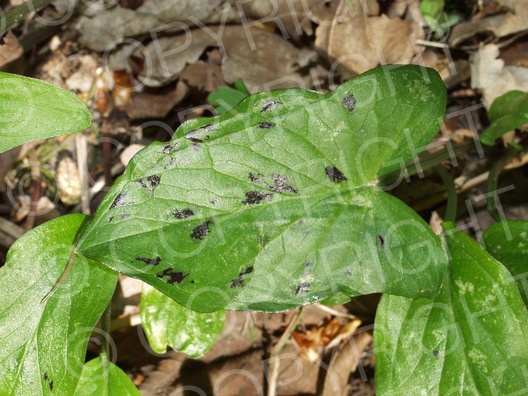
(167, 323)
(101, 377)
(32, 109)
(43, 344)
(506, 113)
(508, 242)
(276, 204)
(470, 340)
(225, 98)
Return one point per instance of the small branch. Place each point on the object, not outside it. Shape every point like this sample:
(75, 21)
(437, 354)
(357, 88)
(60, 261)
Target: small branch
(276, 350)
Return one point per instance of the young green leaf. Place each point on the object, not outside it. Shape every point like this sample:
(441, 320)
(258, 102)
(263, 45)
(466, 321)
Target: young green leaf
(32, 109)
(167, 323)
(43, 344)
(225, 98)
(101, 377)
(508, 242)
(472, 339)
(276, 204)
(507, 112)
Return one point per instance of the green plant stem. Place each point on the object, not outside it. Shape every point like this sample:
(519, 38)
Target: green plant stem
(105, 328)
(452, 196)
(493, 179)
(15, 15)
(427, 161)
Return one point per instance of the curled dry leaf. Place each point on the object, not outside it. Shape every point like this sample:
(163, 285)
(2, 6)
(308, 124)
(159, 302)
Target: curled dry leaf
(492, 77)
(312, 342)
(357, 42)
(504, 24)
(68, 181)
(10, 49)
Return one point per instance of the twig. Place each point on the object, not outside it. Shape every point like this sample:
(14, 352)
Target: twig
(35, 193)
(334, 312)
(272, 384)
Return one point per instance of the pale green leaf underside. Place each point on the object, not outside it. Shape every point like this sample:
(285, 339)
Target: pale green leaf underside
(103, 378)
(43, 344)
(31, 109)
(508, 242)
(472, 339)
(169, 324)
(275, 204)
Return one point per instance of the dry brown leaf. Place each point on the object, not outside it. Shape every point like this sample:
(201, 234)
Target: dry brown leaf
(292, 17)
(489, 74)
(500, 25)
(344, 362)
(68, 181)
(318, 338)
(10, 49)
(147, 105)
(358, 42)
(272, 62)
(108, 26)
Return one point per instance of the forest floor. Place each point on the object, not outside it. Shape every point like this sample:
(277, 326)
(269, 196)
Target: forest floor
(144, 67)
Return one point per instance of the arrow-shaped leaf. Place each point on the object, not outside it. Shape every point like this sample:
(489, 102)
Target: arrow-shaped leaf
(32, 109)
(43, 343)
(276, 204)
(471, 340)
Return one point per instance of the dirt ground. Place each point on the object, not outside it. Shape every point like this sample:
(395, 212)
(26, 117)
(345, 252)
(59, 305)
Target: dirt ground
(145, 66)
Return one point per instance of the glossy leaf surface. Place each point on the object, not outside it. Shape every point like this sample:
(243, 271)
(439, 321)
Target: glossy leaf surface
(507, 112)
(103, 378)
(169, 324)
(32, 109)
(276, 204)
(43, 345)
(472, 339)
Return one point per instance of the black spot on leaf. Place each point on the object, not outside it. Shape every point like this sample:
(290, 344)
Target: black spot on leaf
(302, 288)
(256, 197)
(247, 271)
(183, 214)
(201, 134)
(349, 271)
(150, 183)
(119, 201)
(280, 184)
(174, 276)
(123, 215)
(266, 125)
(435, 353)
(334, 174)
(170, 148)
(49, 381)
(239, 280)
(110, 219)
(201, 231)
(308, 264)
(381, 240)
(269, 104)
(256, 178)
(150, 261)
(349, 102)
